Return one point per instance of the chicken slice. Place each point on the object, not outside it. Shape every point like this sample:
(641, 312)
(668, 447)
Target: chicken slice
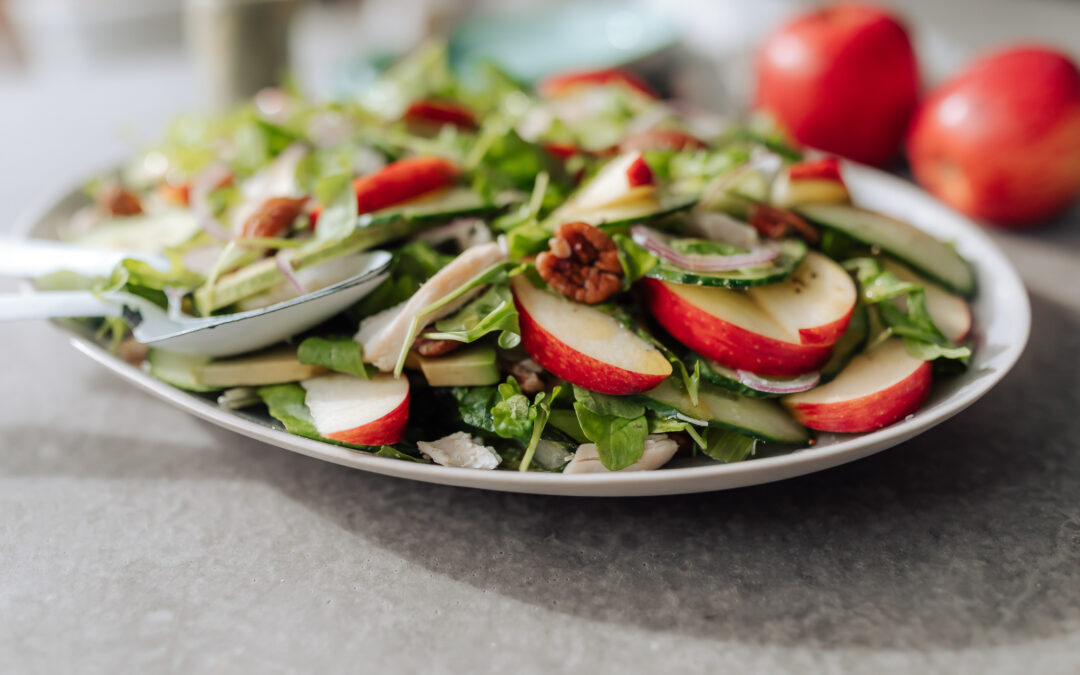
(461, 450)
(384, 340)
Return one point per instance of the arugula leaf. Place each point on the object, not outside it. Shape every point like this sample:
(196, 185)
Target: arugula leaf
(526, 240)
(635, 260)
(342, 354)
(728, 446)
(493, 310)
(882, 290)
(339, 215)
(474, 406)
(664, 425)
(620, 441)
(604, 404)
(499, 273)
(510, 416)
(393, 453)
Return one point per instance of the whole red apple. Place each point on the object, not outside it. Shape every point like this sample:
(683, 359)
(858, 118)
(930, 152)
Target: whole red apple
(842, 79)
(1001, 142)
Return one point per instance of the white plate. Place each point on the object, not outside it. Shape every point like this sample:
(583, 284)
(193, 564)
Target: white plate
(1002, 321)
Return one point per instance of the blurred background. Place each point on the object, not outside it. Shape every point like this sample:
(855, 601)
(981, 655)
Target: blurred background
(84, 81)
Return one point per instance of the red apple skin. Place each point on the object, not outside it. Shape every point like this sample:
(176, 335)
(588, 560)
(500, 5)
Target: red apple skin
(561, 84)
(1001, 141)
(388, 429)
(661, 139)
(571, 365)
(826, 168)
(732, 345)
(437, 113)
(869, 412)
(639, 173)
(403, 180)
(842, 79)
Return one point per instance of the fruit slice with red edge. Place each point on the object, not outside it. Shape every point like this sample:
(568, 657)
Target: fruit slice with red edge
(782, 329)
(353, 410)
(660, 139)
(565, 84)
(436, 113)
(625, 179)
(876, 389)
(813, 182)
(583, 345)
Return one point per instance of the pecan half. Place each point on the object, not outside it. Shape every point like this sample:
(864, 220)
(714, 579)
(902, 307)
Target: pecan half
(118, 201)
(273, 218)
(427, 347)
(775, 223)
(583, 263)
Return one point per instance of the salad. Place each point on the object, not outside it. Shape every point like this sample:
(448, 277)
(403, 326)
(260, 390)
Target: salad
(584, 277)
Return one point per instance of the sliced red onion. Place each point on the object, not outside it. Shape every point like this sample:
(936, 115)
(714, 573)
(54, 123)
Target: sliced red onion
(284, 263)
(655, 242)
(779, 385)
(201, 188)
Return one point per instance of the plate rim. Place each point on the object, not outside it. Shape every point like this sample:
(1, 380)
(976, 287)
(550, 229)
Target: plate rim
(675, 480)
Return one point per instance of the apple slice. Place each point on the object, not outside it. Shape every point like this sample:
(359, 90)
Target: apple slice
(813, 182)
(564, 84)
(624, 180)
(782, 329)
(353, 410)
(876, 389)
(949, 312)
(583, 345)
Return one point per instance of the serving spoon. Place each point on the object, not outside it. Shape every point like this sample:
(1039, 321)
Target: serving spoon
(224, 335)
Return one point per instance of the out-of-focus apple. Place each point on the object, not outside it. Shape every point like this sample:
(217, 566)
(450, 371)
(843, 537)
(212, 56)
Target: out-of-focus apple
(843, 79)
(1001, 141)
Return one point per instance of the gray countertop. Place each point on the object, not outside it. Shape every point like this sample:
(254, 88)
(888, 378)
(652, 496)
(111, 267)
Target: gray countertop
(135, 538)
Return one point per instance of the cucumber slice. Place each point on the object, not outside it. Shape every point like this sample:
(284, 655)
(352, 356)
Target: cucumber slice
(759, 418)
(900, 240)
(792, 251)
(724, 377)
(179, 370)
(375, 229)
(629, 214)
(849, 344)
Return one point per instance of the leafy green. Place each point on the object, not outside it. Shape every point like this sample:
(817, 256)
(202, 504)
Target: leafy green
(620, 441)
(493, 310)
(343, 354)
(604, 404)
(527, 240)
(286, 404)
(728, 446)
(474, 405)
(664, 425)
(899, 308)
(393, 453)
(498, 273)
(339, 214)
(635, 260)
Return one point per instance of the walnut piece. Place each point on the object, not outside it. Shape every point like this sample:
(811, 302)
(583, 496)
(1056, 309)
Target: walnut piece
(117, 201)
(774, 223)
(273, 218)
(583, 263)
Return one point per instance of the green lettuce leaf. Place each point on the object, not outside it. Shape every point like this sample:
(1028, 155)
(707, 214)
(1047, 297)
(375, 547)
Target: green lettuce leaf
(491, 311)
(620, 441)
(728, 446)
(342, 354)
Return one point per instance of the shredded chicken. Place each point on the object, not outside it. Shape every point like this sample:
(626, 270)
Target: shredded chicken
(461, 450)
(384, 334)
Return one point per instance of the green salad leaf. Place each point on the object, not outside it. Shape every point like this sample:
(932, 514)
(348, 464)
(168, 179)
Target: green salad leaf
(342, 354)
(728, 446)
(491, 311)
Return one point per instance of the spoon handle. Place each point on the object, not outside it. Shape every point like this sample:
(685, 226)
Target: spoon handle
(55, 305)
(36, 257)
